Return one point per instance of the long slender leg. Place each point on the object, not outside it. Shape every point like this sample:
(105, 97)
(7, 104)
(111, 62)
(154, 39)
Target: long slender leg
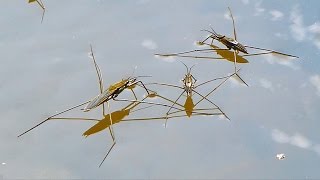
(100, 80)
(152, 118)
(40, 3)
(212, 103)
(111, 122)
(165, 124)
(200, 57)
(97, 120)
(99, 74)
(87, 119)
(235, 37)
(208, 94)
(214, 58)
(270, 51)
(101, 88)
(139, 109)
(198, 112)
(169, 85)
(265, 53)
(143, 86)
(256, 54)
(169, 100)
(98, 70)
(164, 84)
(157, 95)
(235, 52)
(52, 117)
(134, 119)
(75, 119)
(113, 138)
(186, 52)
(235, 61)
(195, 80)
(233, 24)
(212, 80)
(134, 94)
(136, 102)
(235, 68)
(171, 107)
(113, 144)
(112, 135)
(156, 104)
(169, 117)
(144, 102)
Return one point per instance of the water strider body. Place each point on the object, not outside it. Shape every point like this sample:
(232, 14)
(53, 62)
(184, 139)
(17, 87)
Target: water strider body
(230, 43)
(189, 88)
(105, 95)
(112, 92)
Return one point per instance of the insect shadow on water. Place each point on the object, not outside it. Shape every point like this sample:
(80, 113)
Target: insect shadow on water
(232, 47)
(40, 3)
(189, 87)
(105, 95)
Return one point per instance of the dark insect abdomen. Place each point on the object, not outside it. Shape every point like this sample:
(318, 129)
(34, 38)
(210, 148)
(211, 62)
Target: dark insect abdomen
(241, 48)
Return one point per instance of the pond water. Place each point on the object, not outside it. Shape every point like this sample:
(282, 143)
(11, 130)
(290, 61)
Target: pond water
(47, 67)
